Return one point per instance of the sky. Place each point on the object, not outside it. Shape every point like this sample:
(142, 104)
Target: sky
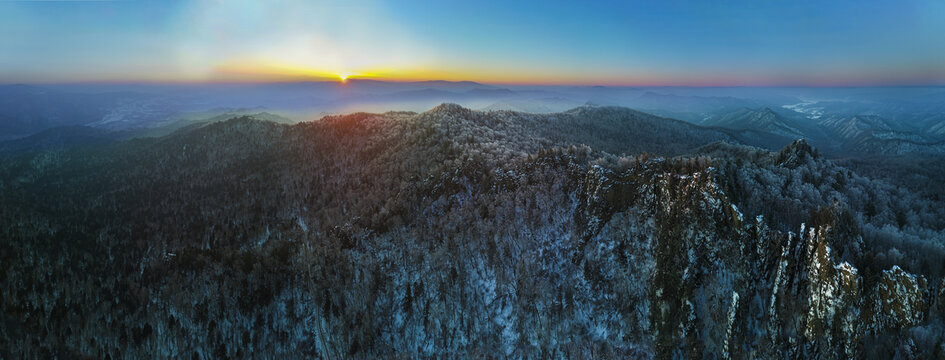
(631, 43)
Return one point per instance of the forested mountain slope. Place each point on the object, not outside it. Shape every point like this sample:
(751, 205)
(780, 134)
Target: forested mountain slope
(456, 233)
(762, 120)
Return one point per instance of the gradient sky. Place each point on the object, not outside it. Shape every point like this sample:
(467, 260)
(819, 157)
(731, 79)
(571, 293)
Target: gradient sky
(700, 43)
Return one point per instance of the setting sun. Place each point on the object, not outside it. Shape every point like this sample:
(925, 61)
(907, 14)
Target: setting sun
(343, 77)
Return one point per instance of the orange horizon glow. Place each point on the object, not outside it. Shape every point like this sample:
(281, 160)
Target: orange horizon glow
(287, 78)
(273, 72)
(269, 72)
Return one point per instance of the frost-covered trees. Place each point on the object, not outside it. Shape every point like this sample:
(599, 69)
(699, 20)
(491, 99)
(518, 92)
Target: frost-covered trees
(456, 233)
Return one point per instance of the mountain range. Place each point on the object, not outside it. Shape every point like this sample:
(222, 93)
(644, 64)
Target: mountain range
(843, 123)
(598, 232)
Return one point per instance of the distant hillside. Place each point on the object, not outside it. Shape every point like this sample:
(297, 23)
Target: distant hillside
(854, 126)
(763, 119)
(898, 144)
(840, 136)
(608, 130)
(59, 138)
(691, 104)
(203, 118)
(871, 134)
(77, 136)
(535, 105)
(25, 110)
(937, 129)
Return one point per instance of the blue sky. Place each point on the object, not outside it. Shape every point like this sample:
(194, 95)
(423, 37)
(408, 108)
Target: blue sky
(758, 42)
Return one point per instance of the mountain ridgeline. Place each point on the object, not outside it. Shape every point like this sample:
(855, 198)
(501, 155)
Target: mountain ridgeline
(599, 232)
(838, 133)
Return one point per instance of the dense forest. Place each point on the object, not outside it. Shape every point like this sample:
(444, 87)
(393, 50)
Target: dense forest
(599, 232)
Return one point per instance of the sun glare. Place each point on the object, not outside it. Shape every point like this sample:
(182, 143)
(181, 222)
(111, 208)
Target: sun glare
(343, 77)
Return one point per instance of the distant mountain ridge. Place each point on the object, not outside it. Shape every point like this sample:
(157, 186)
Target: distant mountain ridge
(852, 127)
(845, 125)
(841, 135)
(60, 138)
(764, 119)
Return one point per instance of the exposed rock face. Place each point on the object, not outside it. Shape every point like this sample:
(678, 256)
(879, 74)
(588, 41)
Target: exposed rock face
(812, 304)
(940, 298)
(756, 287)
(834, 297)
(797, 153)
(899, 300)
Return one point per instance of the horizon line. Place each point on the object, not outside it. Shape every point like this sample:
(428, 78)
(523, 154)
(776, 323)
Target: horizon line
(410, 81)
